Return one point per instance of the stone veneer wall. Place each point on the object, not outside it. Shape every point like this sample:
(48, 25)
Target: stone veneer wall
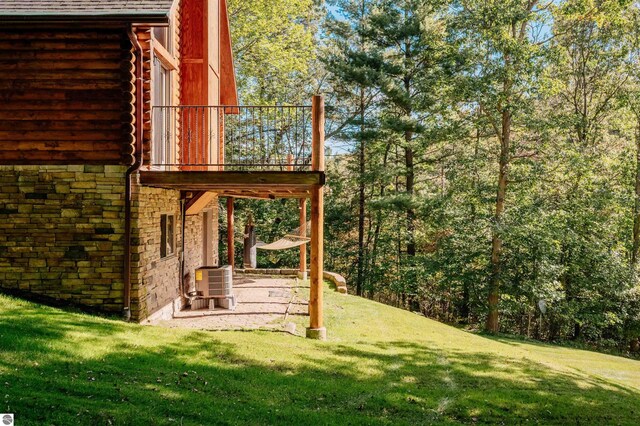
(194, 250)
(62, 236)
(154, 281)
(62, 233)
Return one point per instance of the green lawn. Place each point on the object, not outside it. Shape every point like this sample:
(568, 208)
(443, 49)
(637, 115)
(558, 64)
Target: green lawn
(380, 366)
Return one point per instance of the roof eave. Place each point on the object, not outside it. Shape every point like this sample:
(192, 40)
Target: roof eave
(139, 18)
(229, 88)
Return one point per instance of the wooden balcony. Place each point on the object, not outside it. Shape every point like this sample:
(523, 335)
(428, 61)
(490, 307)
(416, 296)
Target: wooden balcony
(239, 151)
(248, 152)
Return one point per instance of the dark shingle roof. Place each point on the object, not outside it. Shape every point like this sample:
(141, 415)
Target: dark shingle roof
(134, 10)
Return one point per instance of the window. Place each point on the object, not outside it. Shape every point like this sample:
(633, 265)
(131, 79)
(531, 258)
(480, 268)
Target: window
(161, 96)
(162, 36)
(167, 235)
(163, 152)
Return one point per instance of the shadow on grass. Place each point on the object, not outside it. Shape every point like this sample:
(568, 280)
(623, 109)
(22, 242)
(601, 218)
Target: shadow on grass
(515, 340)
(200, 379)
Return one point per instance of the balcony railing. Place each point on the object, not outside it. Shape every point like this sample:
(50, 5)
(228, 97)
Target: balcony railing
(232, 138)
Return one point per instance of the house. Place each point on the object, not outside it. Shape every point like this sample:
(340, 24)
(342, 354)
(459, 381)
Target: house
(120, 129)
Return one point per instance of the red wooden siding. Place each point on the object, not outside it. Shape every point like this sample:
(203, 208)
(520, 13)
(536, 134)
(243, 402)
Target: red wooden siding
(194, 69)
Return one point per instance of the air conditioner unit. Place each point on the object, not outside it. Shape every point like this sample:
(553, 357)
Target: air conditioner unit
(212, 281)
(216, 283)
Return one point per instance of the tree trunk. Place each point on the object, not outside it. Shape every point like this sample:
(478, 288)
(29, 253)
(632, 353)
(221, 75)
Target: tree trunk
(408, 157)
(361, 199)
(376, 232)
(411, 215)
(576, 331)
(250, 253)
(636, 208)
(492, 324)
(465, 310)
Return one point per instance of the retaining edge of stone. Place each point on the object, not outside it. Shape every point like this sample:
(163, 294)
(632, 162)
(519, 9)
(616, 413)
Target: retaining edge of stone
(338, 280)
(262, 271)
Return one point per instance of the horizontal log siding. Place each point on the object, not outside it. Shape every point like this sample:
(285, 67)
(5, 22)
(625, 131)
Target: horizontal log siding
(146, 42)
(66, 97)
(144, 37)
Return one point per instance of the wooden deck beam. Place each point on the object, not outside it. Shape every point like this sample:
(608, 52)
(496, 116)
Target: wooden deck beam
(263, 195)
(199, 202)
(292, 181)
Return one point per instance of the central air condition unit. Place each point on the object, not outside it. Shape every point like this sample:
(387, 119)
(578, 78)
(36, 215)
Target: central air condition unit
(212, 281)
(216, 283)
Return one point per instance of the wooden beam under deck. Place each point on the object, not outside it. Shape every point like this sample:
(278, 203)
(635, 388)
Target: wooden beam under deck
(253, 194)
(262, 183)
(303, 234)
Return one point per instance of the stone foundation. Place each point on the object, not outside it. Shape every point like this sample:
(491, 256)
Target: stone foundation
(62, 233)
(62, 238)
(154, 280)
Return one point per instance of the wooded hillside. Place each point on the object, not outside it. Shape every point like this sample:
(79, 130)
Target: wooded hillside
(485, 160)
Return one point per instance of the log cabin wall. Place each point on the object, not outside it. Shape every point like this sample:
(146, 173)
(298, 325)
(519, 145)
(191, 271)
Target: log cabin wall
(66, 138)
(144, 38)
(147, 42)
(67, 126)
(66, 96)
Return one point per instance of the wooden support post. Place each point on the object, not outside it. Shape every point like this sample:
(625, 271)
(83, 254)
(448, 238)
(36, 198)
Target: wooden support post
(289, 162)
(303, 233)
(315, 299)
(230, 234)
(316, 329)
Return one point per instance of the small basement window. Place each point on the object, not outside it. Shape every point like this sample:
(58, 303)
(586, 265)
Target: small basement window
(167, 235)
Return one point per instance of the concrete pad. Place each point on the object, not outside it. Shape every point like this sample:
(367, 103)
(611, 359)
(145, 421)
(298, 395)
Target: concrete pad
(262, 303)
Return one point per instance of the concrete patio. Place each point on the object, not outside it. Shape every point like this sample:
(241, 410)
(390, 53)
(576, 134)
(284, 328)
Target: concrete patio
(262, 303)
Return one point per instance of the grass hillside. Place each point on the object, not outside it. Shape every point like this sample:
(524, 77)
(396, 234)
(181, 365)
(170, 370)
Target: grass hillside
(380, 366)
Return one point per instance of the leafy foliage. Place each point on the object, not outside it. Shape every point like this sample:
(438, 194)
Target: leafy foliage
(537, 94)
(485, 161)
(273, 47)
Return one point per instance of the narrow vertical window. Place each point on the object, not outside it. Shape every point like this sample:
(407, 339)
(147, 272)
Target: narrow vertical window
(161, 96)
(167, 235)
